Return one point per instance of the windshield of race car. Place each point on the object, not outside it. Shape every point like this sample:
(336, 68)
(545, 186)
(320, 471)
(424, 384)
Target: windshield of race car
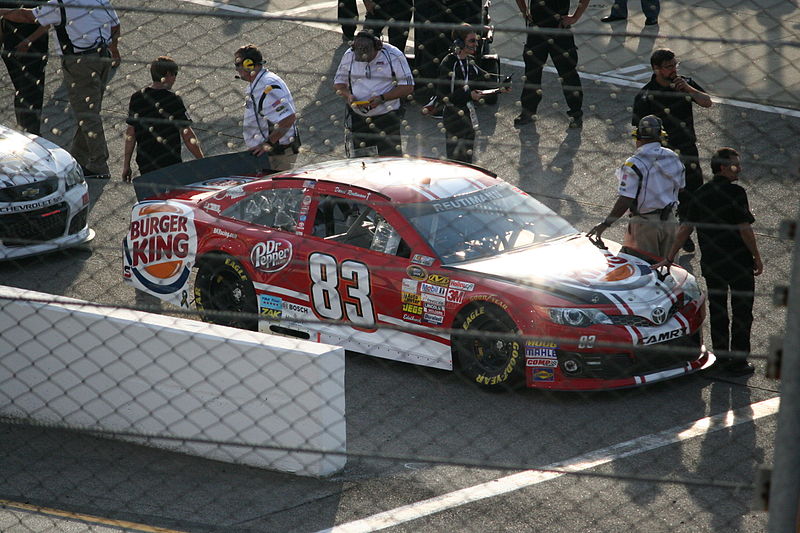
(484, 223)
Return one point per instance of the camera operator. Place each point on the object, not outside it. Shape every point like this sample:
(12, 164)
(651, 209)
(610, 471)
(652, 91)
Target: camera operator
(458, 89)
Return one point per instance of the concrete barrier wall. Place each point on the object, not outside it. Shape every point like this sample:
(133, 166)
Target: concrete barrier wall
(71, 362)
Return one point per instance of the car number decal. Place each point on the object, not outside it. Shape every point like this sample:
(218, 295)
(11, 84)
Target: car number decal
(325, 275)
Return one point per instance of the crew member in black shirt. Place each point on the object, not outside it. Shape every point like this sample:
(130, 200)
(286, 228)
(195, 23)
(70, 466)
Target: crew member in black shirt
(730, 259)
(157, 121)
(670, 97)
(25, 55)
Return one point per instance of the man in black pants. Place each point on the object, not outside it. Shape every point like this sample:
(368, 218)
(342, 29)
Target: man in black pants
(670, 96)
(730, 259)
(25, 55)
(393, 11)
(348, 11)
(551, 14)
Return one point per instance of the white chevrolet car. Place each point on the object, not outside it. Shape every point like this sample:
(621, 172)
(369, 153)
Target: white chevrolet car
(44, 199)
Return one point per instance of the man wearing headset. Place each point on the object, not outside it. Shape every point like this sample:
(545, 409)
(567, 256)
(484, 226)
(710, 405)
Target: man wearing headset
(269, 125)
(649, 183)
(374, 78)
(459, 87)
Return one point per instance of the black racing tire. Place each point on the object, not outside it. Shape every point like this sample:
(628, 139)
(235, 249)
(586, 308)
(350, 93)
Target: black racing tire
(224, 293)
(492, 361)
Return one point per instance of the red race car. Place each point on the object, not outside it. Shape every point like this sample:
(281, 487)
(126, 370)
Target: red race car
(429, 262)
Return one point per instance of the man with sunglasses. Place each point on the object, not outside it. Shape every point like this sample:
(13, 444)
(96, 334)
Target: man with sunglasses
(374, 79)
(269, 125)
(670, 97)
(460, 86)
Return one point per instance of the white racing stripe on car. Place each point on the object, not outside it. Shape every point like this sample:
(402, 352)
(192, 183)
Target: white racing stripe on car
(682, 322)
(424, 192)
(514, 482)
(280, 290)
(634, 336)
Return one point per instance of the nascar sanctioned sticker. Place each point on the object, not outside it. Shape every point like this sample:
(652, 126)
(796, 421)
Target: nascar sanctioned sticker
(272, 255)
(160, 249)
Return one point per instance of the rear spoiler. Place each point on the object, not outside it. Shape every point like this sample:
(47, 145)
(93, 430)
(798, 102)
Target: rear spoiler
(165, 179)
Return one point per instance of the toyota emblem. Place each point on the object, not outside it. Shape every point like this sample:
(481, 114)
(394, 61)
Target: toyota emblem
(659, 316)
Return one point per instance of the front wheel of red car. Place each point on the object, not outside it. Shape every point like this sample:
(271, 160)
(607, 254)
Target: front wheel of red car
(487, 347)
(224, 294)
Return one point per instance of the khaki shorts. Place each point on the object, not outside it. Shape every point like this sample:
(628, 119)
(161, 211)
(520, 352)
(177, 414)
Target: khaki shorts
(650, 234)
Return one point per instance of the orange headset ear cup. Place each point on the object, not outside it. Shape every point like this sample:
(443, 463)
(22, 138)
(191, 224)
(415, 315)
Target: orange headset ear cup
(248, 65)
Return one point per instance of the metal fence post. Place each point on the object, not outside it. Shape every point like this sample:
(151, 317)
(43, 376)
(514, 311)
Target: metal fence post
(785, 486)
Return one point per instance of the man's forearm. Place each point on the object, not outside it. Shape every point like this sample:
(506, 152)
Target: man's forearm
(191, 142)
(18, 15)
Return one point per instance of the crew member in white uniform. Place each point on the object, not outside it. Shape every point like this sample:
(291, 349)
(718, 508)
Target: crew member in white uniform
(87, 37)
(269, 125)
(373, 78)
(649, 183)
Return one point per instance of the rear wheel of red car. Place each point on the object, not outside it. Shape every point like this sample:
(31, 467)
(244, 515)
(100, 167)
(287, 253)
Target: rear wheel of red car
(487, 347)
(224, 294)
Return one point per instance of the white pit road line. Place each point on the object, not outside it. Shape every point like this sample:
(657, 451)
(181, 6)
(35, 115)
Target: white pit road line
(503, 485)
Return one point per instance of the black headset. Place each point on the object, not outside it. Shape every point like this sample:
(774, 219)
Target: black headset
(459, 34)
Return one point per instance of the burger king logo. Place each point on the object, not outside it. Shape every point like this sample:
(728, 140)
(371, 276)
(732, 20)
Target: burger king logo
(161, 246)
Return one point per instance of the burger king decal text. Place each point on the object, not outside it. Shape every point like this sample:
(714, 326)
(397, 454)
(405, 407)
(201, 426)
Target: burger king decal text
(160, 247)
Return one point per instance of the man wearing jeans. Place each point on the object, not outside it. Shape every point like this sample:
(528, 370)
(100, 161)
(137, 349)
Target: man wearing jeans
(87, 38)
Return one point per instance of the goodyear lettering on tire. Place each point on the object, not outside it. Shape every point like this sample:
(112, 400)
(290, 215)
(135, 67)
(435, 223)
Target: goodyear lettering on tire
(507, 371)
(236, 267)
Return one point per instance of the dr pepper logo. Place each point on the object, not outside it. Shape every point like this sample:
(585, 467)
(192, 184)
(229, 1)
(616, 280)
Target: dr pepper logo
(161, 245)
(272, 255)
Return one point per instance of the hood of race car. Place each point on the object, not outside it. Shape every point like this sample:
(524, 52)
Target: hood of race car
(574, 269)
(25, 160)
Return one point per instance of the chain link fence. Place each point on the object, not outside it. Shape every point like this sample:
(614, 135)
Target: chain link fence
(93, 363)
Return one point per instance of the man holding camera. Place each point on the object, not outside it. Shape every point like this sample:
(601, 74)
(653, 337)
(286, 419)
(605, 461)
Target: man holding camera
(671, 97)
(374, 78)
(649, 183)
(459, 88)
